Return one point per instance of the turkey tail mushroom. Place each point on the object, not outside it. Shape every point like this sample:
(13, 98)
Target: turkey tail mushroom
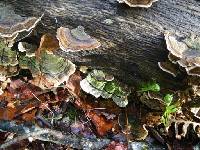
(75, 39)
(138, 3)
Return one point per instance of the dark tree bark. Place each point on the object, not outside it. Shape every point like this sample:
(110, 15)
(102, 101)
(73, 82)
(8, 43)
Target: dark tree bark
(132, 38)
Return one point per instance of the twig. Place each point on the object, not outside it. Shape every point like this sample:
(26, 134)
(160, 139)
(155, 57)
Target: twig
(25, 132)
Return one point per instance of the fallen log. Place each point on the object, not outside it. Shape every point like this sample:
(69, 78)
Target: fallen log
(132, 40)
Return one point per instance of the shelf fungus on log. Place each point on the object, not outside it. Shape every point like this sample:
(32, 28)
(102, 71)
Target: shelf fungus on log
(75, 39)
(138, 3)
(99, 84)
(13, 27)
(183, 52)
(48, 70)
(8, 62)
(180, 130)
(29, 49)
(153, 100)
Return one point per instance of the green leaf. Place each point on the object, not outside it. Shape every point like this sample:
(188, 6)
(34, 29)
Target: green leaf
(168, 111)
(168, 99)
(150, 86)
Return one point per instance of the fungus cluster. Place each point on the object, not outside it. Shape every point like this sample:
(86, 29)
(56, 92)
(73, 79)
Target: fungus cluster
(184, 54)
(138, 3)
(99, 84)
(47, 68)
(13, 27)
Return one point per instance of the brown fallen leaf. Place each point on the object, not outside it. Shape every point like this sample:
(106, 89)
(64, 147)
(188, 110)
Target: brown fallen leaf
(22, 90)
(49, 43)
(102, 125)
(73, 84)
(7, 113)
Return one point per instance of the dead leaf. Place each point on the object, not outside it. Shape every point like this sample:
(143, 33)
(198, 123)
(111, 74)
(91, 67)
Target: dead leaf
(102, 125)
(73, 84)
(48, 43)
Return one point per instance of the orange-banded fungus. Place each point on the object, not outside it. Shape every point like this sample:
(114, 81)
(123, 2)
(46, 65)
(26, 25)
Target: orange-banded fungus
(75, 39)
(138, 3)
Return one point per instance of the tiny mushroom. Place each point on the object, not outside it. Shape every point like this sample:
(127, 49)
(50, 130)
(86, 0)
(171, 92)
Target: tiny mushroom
(12, 25)
(138, 3)
(75, 39)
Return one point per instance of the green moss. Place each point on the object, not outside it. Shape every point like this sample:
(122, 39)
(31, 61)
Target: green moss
(150, 86)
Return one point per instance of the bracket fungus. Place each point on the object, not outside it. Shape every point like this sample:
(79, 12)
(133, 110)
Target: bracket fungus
(11, 24)
(138, 3)
(153, 100)
(99, 84)
(28, 48)
(75, 39)
(183, 52)
(8, 62)
(48, 70)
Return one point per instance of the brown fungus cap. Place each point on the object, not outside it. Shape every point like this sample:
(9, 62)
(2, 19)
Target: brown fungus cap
(75, 39)
(138, 3)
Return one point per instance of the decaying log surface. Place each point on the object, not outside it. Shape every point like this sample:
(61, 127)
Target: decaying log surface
(132, 38)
